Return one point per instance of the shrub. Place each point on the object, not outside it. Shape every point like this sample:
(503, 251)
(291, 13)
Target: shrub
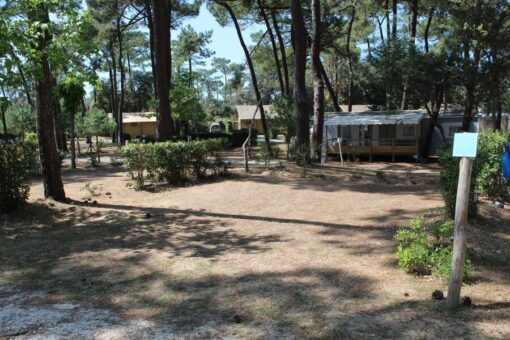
(173, 162)
(486, 171)
(419, 253)
(448, 181)
(137, 160)
(488, 162)
(16, 161)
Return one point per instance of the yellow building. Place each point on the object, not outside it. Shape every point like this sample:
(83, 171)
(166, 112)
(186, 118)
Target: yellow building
(245, 115)
(138, 124)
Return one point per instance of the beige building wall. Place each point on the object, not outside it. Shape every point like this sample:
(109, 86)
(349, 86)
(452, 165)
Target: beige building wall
(140, 129)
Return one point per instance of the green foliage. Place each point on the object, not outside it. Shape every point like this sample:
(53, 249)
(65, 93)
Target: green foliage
(486, 171)
(285, 116)
(488, 162)
(20, 118)
(93, 189)
(71, 91)
(421, 254)
(185, 103)
(94, 122)
(443, 229)
(16, 160)
(173, 162)
(266, 155)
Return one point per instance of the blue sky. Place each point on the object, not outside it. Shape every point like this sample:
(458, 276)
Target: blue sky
(224, 42)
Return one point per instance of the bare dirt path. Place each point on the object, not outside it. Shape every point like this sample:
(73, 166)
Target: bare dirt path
(286, 257)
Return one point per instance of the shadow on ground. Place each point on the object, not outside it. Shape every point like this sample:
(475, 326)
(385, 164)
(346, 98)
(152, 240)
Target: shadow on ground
(159, 267)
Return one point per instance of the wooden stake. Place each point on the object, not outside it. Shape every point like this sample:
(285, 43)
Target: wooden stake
(460, 237)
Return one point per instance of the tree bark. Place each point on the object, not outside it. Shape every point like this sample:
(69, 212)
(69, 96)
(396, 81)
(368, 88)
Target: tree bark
(122, 70)
(273, 45)
(252, 72)
(150, 26)
(282, 53)
(427, 28)
(349, 58)
(330, 88)
(394, 17)
(50, 163)
(161, 21)
(115, 94)
(412, 48)
(318, 84)
(72, 137)
(300, 97)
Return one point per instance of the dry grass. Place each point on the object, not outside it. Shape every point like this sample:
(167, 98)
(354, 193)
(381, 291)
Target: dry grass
(294, 257)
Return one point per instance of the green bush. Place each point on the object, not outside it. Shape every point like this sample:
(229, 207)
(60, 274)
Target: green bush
(423, 250)
(486, 171)
(16, 162)
(173, 162)
(488, 162)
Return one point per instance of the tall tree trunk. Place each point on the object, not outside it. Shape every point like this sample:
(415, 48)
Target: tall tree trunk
(349, 58)
(412, 49)
(330, 88)
(72, 137)
(394, 17)
(427, 28)
(150, 26)
(115, 94)
(318, 84)
(122, 70)
(387, 18)
(2, 113)
(50, 163)
(282, 53)
(161, 21)
(300, 46)
(190, 74)
(273, 45)
(252, 72)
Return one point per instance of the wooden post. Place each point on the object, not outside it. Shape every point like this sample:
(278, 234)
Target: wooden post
(324, 152)
(460, 237)
(340, 151)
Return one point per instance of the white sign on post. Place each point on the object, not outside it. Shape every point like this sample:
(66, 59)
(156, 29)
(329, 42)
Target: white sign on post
(464, 146)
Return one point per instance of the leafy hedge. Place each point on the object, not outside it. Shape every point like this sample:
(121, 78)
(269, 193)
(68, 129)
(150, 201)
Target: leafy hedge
(16, 166)
(173, 162)
(428, 249)
(486, 171)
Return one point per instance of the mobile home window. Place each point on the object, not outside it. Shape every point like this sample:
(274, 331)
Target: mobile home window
(452, 130)
(408, 131)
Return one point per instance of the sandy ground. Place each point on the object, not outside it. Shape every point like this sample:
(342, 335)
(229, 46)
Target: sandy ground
(286, 257)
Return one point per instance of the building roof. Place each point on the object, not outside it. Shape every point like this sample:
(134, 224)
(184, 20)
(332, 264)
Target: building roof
(377, 118)
(356, 108)
(137, 117)
(245, 112)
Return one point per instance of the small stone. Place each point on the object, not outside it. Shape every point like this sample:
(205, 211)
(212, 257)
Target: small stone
(466, 301)
(148, 215)
(406, 294)
(437, 295)
(94, 202)
(108, 193)
(237, 318)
